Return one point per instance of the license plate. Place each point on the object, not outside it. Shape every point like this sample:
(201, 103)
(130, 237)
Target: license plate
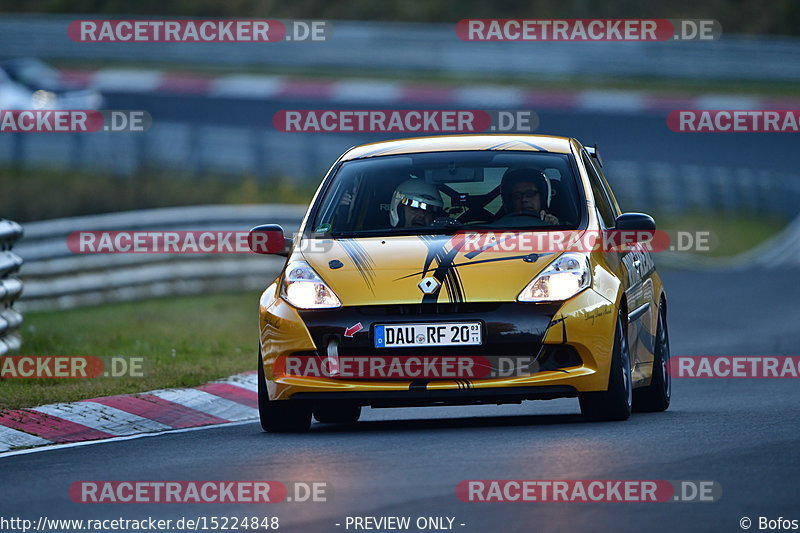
(431, 334)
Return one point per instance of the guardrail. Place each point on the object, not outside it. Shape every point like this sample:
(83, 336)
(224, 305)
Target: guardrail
(675, 188)
(647, 184)
(56, 278)
(10, 287)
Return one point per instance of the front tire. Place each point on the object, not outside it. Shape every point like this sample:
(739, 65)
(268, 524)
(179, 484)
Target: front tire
(616, 402)
(280, 416)
(656, 396)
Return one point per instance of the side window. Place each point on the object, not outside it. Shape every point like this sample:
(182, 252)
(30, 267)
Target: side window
(607, 187)
(604, 206)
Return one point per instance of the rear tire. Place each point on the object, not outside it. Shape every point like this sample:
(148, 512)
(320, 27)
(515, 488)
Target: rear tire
(614, 403)
(280, 416)
(656, 396)
(337, 413)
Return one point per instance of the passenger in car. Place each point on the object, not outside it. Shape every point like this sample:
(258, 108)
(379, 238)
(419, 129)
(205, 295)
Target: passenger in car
(526, 191)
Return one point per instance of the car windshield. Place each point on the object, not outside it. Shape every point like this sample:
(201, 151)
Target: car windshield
(445, 191)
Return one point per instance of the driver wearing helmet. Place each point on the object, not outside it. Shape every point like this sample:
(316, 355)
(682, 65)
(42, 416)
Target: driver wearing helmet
(526, 191)
(415, 203)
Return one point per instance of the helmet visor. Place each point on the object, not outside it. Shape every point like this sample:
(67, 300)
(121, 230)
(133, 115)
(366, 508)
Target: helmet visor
(418, 204)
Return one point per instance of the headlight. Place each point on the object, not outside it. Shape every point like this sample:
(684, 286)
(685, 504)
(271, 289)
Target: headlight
(304, 289)
(564, 278)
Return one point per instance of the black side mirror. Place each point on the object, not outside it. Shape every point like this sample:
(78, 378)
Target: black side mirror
(269, 239)
(633, 229)
(635, 222)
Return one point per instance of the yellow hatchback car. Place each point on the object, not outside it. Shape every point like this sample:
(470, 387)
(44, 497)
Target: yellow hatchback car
(455, 270)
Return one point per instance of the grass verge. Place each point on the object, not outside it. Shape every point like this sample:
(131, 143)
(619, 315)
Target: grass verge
(184, 341)
(729, 235)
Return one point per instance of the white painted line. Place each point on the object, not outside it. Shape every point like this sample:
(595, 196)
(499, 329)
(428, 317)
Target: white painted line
(243, 86)
(481, 96)
(102, 418)
(727, 102)
(127, 80)
(208, 403)
(627, 101)
(365, 91)
(119, 439)
(245, 381)
(12, 438)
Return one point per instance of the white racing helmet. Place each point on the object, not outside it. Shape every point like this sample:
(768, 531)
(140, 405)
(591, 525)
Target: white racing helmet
(415, 193)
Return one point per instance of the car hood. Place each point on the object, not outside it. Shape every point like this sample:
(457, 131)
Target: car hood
(389, 270)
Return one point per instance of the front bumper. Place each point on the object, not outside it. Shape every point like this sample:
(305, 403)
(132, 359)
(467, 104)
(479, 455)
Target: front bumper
(423, 397)
(508, 328)
(584, 325)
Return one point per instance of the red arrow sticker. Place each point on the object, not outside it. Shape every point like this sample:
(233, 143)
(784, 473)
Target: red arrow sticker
(352, 330)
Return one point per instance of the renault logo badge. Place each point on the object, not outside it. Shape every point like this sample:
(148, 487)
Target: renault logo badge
(429, 285)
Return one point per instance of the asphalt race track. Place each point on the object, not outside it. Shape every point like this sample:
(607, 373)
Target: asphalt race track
(742, 434)
(621, 136)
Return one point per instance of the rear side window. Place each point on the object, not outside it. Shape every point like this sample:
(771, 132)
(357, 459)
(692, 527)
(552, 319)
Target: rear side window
(604, 206)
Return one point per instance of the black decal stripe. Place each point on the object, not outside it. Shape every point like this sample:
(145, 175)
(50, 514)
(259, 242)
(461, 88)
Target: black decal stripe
(458, 265)
(452, 282)
(445, 271)
(457, 282)
(418, 384)
(435, 248)
(463, 383)
(433, 298)
(447, 275)
(457, 289)
(362, 261)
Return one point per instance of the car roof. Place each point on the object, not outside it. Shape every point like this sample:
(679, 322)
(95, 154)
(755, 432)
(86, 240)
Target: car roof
(449, 143)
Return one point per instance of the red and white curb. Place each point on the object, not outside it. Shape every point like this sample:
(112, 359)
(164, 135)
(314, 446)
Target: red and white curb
(372, 92)
(234, 399)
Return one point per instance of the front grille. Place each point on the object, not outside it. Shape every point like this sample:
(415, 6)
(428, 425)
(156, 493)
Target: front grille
(428, 309)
